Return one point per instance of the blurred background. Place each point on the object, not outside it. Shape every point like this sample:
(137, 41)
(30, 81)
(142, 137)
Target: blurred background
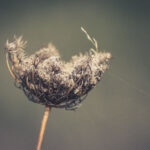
(115, 115)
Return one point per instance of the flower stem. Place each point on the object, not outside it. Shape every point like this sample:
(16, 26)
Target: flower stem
(43, 125)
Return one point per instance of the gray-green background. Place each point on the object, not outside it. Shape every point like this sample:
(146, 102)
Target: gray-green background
(116, 114)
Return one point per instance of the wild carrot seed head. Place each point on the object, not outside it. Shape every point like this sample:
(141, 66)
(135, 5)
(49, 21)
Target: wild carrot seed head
(48, 80)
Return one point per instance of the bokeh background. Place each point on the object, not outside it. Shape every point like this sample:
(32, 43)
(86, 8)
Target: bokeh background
(116, 114)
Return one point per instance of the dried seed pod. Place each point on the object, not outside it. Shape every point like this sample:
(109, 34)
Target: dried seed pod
(48, 80)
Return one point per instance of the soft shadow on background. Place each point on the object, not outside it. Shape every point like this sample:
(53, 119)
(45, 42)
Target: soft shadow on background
(115, 115)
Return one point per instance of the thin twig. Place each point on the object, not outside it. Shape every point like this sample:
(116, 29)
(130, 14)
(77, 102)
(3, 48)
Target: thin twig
(12, 74)
(43, 125)
(10, 71)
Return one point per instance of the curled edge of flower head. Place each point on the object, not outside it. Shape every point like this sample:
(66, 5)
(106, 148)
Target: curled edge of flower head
(47, 80)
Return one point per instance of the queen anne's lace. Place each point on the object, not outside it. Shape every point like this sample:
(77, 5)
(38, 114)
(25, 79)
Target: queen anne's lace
(48, 80)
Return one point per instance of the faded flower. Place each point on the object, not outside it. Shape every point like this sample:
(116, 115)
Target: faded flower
(48, 80)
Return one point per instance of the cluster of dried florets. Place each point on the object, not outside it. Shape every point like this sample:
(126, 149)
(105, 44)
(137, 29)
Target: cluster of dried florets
(48, 80)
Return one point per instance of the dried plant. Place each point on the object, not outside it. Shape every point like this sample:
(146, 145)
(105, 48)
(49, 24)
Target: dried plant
(47, 80)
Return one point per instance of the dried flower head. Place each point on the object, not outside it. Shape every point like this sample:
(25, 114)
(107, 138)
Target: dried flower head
(48, 80)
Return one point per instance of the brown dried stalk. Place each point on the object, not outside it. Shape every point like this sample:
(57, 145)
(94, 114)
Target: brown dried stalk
(43, 126)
